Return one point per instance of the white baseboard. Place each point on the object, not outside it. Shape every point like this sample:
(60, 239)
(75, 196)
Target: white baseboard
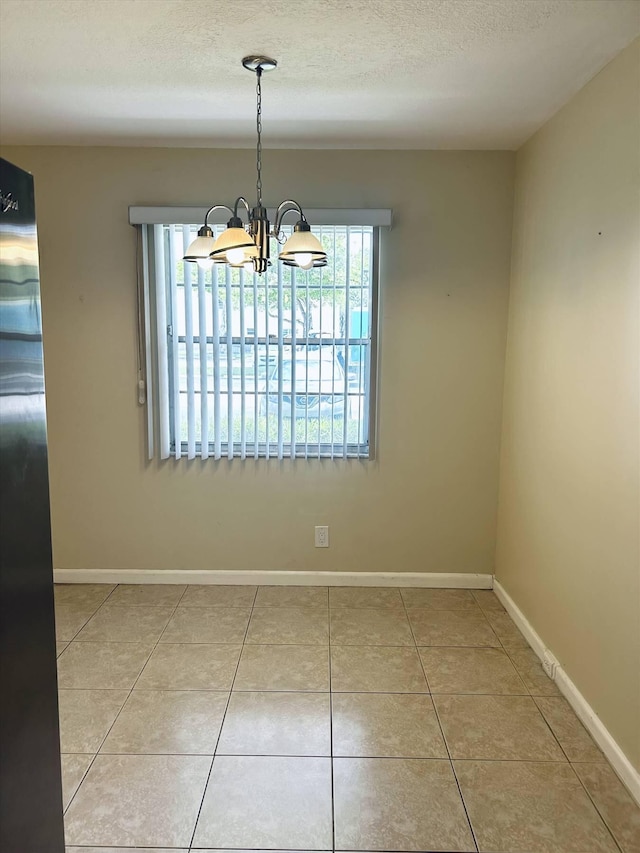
(594, 725)
(437, 580)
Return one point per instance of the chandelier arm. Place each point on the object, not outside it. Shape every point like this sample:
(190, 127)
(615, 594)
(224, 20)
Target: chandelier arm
(215, 207)
(286, 207)
(241, 200)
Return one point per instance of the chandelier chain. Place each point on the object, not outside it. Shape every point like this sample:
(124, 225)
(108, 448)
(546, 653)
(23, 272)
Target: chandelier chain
(259, 130)
(301, 248)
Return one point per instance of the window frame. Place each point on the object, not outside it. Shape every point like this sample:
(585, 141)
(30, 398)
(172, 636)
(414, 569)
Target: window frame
(161, 423)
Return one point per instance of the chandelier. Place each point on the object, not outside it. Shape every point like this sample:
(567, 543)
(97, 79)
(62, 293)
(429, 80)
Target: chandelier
(248, 246)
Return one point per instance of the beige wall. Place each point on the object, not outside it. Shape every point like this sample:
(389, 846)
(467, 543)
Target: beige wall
(569, 509)
(428, 503)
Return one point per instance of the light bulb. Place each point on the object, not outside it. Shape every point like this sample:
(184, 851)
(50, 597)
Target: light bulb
(205, 263)
(248, 266)
(304, 260)
(235, 256)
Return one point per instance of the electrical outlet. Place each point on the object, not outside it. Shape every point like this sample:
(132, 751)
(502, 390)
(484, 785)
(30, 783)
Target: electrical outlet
(322, 537)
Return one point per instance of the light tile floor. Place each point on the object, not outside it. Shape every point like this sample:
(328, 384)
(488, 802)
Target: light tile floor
(220, 718)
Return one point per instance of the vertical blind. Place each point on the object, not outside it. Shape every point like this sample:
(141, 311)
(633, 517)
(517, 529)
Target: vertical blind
(273, 366)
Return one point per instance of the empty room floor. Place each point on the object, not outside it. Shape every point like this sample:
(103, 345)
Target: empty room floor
(314, 719)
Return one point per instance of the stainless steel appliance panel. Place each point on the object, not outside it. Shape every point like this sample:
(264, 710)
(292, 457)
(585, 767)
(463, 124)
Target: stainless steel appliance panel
(30, 786)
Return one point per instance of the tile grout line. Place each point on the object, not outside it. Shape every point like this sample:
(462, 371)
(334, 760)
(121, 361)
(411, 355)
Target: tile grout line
(224, 715)
(557, 763)
(84, 775)
(595, 805)
(546, 722)
(97, 752)
(553, 734)
(444, 739)
(318, 646)
(508, 652)
(86, 622)
(455, 776)
(504, 649)
(570, 764)
(500, 640)
(529, 693)
(333, 804)
(502, 646)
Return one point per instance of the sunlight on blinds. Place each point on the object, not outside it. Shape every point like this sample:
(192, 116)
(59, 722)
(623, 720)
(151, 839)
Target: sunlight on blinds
(278, 365)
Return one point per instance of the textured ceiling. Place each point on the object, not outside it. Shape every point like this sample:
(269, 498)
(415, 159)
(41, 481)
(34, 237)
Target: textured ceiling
(352, 73)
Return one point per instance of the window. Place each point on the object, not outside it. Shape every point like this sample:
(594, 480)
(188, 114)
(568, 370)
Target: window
(273, 366)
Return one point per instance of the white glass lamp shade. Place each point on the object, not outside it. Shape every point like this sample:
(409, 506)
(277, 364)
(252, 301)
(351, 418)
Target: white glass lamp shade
(232, 239)
(303, 249)
(199, 249)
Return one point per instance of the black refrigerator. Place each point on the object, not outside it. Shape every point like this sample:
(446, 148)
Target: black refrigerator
(30, 784)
